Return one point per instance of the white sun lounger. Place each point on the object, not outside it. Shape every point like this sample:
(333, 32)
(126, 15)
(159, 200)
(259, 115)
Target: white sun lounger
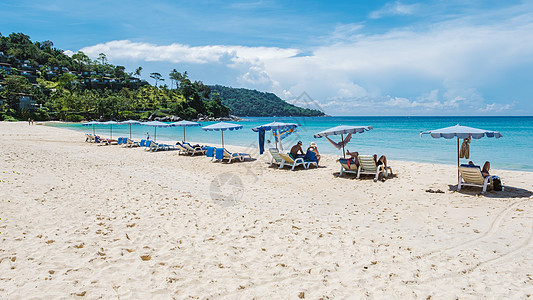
(289, 161)
(472, 176)
(367, 165)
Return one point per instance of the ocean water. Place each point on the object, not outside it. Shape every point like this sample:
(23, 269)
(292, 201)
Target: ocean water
(396, 137)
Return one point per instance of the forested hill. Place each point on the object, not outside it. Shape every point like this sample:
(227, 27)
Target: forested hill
(245, 102)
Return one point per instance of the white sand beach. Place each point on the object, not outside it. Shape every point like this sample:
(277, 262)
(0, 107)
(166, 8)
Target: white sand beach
(80, 220)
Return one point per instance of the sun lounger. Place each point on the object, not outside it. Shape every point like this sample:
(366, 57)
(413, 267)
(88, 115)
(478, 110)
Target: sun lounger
(222, 153)
(131, 143)
(347, 166)
(276, 158)
(472, 176)
(154, 147)
(147, 145)
(181, 148)
(367, 165)
(194, 150)
(104, 141)
(210, 152)
(289, 161)
(89, 138)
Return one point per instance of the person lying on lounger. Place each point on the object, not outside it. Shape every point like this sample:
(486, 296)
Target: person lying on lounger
(484, 170)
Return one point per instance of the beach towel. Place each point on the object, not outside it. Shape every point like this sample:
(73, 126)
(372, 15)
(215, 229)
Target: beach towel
(340, 144)
(261, 141)
(465, 149)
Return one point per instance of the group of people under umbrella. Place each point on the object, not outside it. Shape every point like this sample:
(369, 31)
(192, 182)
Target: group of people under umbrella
(279, 128)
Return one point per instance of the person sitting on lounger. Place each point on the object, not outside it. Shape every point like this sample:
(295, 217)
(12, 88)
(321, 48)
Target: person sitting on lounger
(381, 161)
(308, 156)
(296, 150)
(485, 169)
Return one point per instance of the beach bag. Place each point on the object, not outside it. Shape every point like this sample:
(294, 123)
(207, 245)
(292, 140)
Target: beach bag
(497, 183)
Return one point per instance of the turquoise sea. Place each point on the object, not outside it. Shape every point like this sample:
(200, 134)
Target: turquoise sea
(396, 137)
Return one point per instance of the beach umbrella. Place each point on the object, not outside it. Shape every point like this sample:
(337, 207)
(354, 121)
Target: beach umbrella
(275, 127)
(461, 132)
(130, 122)
(342, 130)
(111, 123)
(91, 123)
(185, 123)
(156, 124)
(222, 126)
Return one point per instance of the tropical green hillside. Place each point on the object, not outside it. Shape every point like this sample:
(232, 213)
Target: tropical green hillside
(245, 102)
(41, 82)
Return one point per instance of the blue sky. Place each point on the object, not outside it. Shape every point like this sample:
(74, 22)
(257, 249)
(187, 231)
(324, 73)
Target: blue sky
(350, 57)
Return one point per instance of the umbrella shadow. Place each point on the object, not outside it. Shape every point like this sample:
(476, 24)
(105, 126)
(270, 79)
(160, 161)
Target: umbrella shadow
(508, 192)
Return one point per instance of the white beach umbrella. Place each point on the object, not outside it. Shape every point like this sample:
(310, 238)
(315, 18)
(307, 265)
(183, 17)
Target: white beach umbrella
(91, 123)
(461, 132)
(111, 123)
(156, 124)
(185, 123)
(342, 130)
(130, 122)
(222, 126)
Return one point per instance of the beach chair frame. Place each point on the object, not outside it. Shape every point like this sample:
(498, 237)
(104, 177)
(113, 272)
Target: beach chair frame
(367, 165)
(276, 158)
(289, 161)
(234, 156)
(193, 150)
(472, 176)
(353, 168)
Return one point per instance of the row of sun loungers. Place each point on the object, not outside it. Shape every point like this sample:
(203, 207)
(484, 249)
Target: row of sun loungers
(469, 176)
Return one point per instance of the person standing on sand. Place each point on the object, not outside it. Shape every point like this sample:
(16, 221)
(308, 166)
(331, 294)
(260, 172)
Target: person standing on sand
(147, 136)
(29, 121)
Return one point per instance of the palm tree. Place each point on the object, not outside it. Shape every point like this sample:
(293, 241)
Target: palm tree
(157, 77)
(138, 71)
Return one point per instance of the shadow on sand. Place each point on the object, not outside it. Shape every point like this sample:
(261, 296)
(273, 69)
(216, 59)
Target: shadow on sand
(508, 192)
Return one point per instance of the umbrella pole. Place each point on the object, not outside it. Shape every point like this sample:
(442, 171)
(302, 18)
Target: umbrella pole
(155, 133)
(93, 130)
(111, 130)
(130, 131)
(276, 136)
(222, 131)
(184, 134)
(342, 142)
(458, 161)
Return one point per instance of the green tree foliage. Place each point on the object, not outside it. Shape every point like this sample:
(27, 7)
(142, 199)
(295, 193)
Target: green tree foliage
(64, 95)
(244, 102)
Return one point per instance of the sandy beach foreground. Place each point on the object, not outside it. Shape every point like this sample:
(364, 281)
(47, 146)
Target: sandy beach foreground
(80, 220)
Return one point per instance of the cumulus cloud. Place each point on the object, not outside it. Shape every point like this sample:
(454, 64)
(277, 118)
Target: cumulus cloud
(180, 53)
(443, 68)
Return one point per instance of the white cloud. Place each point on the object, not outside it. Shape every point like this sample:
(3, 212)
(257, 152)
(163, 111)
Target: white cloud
(179, 53)
(442, 69)
(68, 52)
(394, 9)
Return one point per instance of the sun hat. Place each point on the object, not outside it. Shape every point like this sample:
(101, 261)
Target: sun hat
(300, 142)
(312, 144)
